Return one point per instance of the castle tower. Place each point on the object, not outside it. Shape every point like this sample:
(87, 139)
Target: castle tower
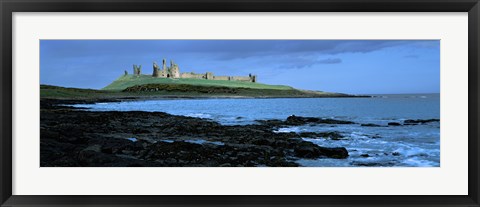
(164, 68)
(156, 70)
(174, 70)
(137, 70)
(209, 76)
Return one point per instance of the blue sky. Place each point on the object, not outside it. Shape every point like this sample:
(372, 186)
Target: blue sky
(348, 66)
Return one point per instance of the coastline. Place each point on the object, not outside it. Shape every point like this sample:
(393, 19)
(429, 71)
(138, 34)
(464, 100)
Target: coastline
(92, 95)
(72, 136)
(75, 137)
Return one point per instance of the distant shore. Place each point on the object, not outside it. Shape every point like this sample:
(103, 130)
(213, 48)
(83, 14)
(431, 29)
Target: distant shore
(150, 92)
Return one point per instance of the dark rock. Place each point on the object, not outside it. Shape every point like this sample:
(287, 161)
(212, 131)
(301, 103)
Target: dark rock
(371, 125)
(95, 148)
(331, 135)
(307, 150)
(396, 153)
(336, 152)
(298, 120)
(394, 124)
(140, 131)
(272, 122)
(311, 151)
(419, 121)
(225, 165)
(365, 155)
(71, 137)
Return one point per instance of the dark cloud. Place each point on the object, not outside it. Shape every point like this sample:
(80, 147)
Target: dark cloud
(304, 62)
(330, 61)
(222, 49)
(250, 49)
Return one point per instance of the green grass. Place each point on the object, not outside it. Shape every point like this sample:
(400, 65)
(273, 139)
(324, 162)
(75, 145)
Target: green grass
(48, 91)
(152, 91)
(201, 90)
(126, 81)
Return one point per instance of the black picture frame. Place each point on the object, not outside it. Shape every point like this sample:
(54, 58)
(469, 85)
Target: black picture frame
(7, 7)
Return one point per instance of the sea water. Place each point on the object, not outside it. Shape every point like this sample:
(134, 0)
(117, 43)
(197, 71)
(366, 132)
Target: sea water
(407, 145)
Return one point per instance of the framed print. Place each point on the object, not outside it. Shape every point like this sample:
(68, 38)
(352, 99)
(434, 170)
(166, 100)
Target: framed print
(196, 103)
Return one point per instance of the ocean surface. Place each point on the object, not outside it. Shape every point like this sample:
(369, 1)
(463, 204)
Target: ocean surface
(392, 146)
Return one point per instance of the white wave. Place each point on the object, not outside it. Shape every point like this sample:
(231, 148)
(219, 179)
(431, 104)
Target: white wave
(287, 130)
(416, 162)
(358, 135)
(408, 151)
(201, 141)
(133, 139)
(314, 141)
(199, 115)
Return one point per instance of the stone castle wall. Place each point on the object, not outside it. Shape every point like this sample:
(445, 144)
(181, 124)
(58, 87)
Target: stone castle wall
(156, 70)
(137, 70)
(242, 78)
(174, 72)
(193, 75)
(221, 77)
(209, 75)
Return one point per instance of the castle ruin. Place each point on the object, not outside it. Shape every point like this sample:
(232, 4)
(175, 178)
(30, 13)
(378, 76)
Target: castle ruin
(137, 70)
(173, 71)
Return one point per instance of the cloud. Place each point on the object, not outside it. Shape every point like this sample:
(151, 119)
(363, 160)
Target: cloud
(304, 62)
(221, 49)
(250, 49)
(330, 61)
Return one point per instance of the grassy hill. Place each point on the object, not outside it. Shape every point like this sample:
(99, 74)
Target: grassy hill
(153, 91)
(49, 91)
(126, 81)
(147, 87)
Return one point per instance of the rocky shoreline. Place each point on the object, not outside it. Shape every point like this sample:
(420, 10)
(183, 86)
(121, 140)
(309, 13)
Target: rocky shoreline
(75, 137)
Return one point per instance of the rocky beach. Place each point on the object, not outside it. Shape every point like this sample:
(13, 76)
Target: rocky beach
(72, 137)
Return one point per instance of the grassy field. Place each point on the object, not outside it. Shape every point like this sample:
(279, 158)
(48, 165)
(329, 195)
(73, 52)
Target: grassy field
(203, 90)
(126, 81)
(48, 91)
(153, 91)
(145, 87)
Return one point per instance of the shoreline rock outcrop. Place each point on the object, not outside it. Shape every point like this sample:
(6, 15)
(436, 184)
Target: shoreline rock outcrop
(74, 137)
